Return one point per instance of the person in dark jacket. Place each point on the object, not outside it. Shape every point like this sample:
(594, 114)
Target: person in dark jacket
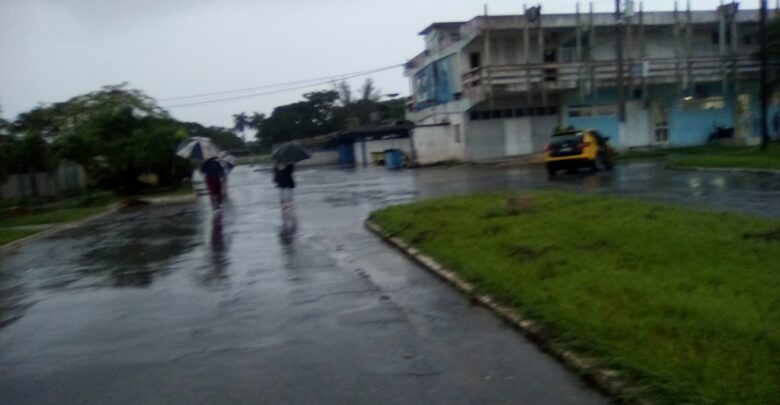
(214, 172)
(283, 177)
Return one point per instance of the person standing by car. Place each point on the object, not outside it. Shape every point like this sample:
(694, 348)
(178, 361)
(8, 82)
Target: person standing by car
(214, 172)
(283, 177)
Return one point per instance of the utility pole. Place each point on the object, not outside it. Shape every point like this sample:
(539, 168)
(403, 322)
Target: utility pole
(620, 85)
(764, 74)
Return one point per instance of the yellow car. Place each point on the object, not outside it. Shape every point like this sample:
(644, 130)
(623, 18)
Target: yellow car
(575, 149)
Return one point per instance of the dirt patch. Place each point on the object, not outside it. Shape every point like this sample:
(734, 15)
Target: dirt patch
(515, 205)
(773, 235)
(421, 237)
(494, 229)
(523, 253)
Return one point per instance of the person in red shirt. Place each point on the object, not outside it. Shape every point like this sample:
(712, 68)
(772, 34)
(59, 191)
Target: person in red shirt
(215, 174)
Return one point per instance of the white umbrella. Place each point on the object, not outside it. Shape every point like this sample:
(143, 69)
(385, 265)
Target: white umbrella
(198, 148)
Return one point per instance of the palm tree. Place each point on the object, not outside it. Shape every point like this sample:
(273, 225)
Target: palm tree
(256, 123)
(240, 124)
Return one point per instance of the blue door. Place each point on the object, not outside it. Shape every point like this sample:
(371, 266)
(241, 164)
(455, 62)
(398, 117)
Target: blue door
(346, 154)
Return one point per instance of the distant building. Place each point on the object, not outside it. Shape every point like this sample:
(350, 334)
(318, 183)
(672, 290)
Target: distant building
(497, 86)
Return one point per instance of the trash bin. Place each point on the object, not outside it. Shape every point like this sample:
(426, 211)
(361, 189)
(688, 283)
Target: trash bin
(378, 158)
(393, 159)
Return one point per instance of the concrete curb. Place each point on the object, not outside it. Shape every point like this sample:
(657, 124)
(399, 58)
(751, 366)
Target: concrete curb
(606, 380)
(111, 209)
(58, 228)
(725, 169)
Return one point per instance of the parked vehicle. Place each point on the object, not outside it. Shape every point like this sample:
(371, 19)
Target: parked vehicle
(720, 133)
(576, 149)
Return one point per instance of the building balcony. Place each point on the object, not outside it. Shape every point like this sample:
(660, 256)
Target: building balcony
(556, 77)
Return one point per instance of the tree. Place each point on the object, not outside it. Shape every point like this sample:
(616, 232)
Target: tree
(313, 116)
(117, 135)
(344, 92)
(222, 137)
(5, 150)
(256, 123)
(773, 51)
(369, 92)
(240, 124)
(322, 112)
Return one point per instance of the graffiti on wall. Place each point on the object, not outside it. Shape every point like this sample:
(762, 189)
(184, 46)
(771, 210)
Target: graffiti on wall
(435, 84)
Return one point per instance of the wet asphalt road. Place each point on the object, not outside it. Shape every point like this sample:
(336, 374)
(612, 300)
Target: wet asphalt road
(172, 304)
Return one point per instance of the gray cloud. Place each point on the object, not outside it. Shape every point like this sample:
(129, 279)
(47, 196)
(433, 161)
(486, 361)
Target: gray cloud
(53, 50)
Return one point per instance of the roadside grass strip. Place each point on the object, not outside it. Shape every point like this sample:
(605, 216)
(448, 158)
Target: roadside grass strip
(51, 217)
(73, 210)
(725, 157)
(8, 235)
(684, 303)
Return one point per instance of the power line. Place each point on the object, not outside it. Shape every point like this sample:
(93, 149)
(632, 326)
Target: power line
(309, 83)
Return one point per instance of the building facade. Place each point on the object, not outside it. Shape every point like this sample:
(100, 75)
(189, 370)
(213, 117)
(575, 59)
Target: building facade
(498, 86)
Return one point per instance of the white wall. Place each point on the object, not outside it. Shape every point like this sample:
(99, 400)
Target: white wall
(638, 127)
(517, 136)
(404, 144)
(541, 131)
(485, 140)
(323, 157)
(500, 138)
(439, 143)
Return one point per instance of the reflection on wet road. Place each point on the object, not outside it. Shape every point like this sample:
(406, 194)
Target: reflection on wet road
(175, 304)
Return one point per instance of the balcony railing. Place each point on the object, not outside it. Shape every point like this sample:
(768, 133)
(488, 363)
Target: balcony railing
(567, 76)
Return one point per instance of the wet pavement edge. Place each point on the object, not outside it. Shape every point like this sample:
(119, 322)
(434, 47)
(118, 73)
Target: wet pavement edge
(608, 381)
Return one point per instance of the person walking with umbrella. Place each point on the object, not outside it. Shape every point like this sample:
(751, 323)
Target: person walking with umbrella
(283, 177)
(214, 172)
(286, 155)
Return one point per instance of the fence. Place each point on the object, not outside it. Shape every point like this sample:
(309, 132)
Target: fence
(67, 178)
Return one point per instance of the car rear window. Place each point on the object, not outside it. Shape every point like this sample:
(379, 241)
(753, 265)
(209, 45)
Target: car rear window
(561, 138)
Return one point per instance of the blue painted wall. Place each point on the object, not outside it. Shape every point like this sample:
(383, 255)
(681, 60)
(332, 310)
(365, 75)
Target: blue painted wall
(686, 127)
(606, 125)
(693, 127)
(755, 111)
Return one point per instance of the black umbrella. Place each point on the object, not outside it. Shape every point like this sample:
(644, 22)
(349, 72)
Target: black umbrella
(290, 152)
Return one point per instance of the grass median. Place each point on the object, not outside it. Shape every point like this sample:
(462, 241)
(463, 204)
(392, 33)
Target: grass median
(685, 302)
(730, 157)
(28, 223)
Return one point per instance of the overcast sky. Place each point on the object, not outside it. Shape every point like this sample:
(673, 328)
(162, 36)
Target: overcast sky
(51, 50)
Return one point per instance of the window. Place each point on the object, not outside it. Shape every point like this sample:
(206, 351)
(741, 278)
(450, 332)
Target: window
(708, 103)
(660, 124)
(549, 56)
(474, 60)
(519, 112)
(474, 115)
(507, 113)
(716, 37)
(591, 110)
(456, 129)
(484, 115)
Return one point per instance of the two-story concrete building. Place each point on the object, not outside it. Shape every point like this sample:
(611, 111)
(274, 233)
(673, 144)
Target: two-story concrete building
(497, 86)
